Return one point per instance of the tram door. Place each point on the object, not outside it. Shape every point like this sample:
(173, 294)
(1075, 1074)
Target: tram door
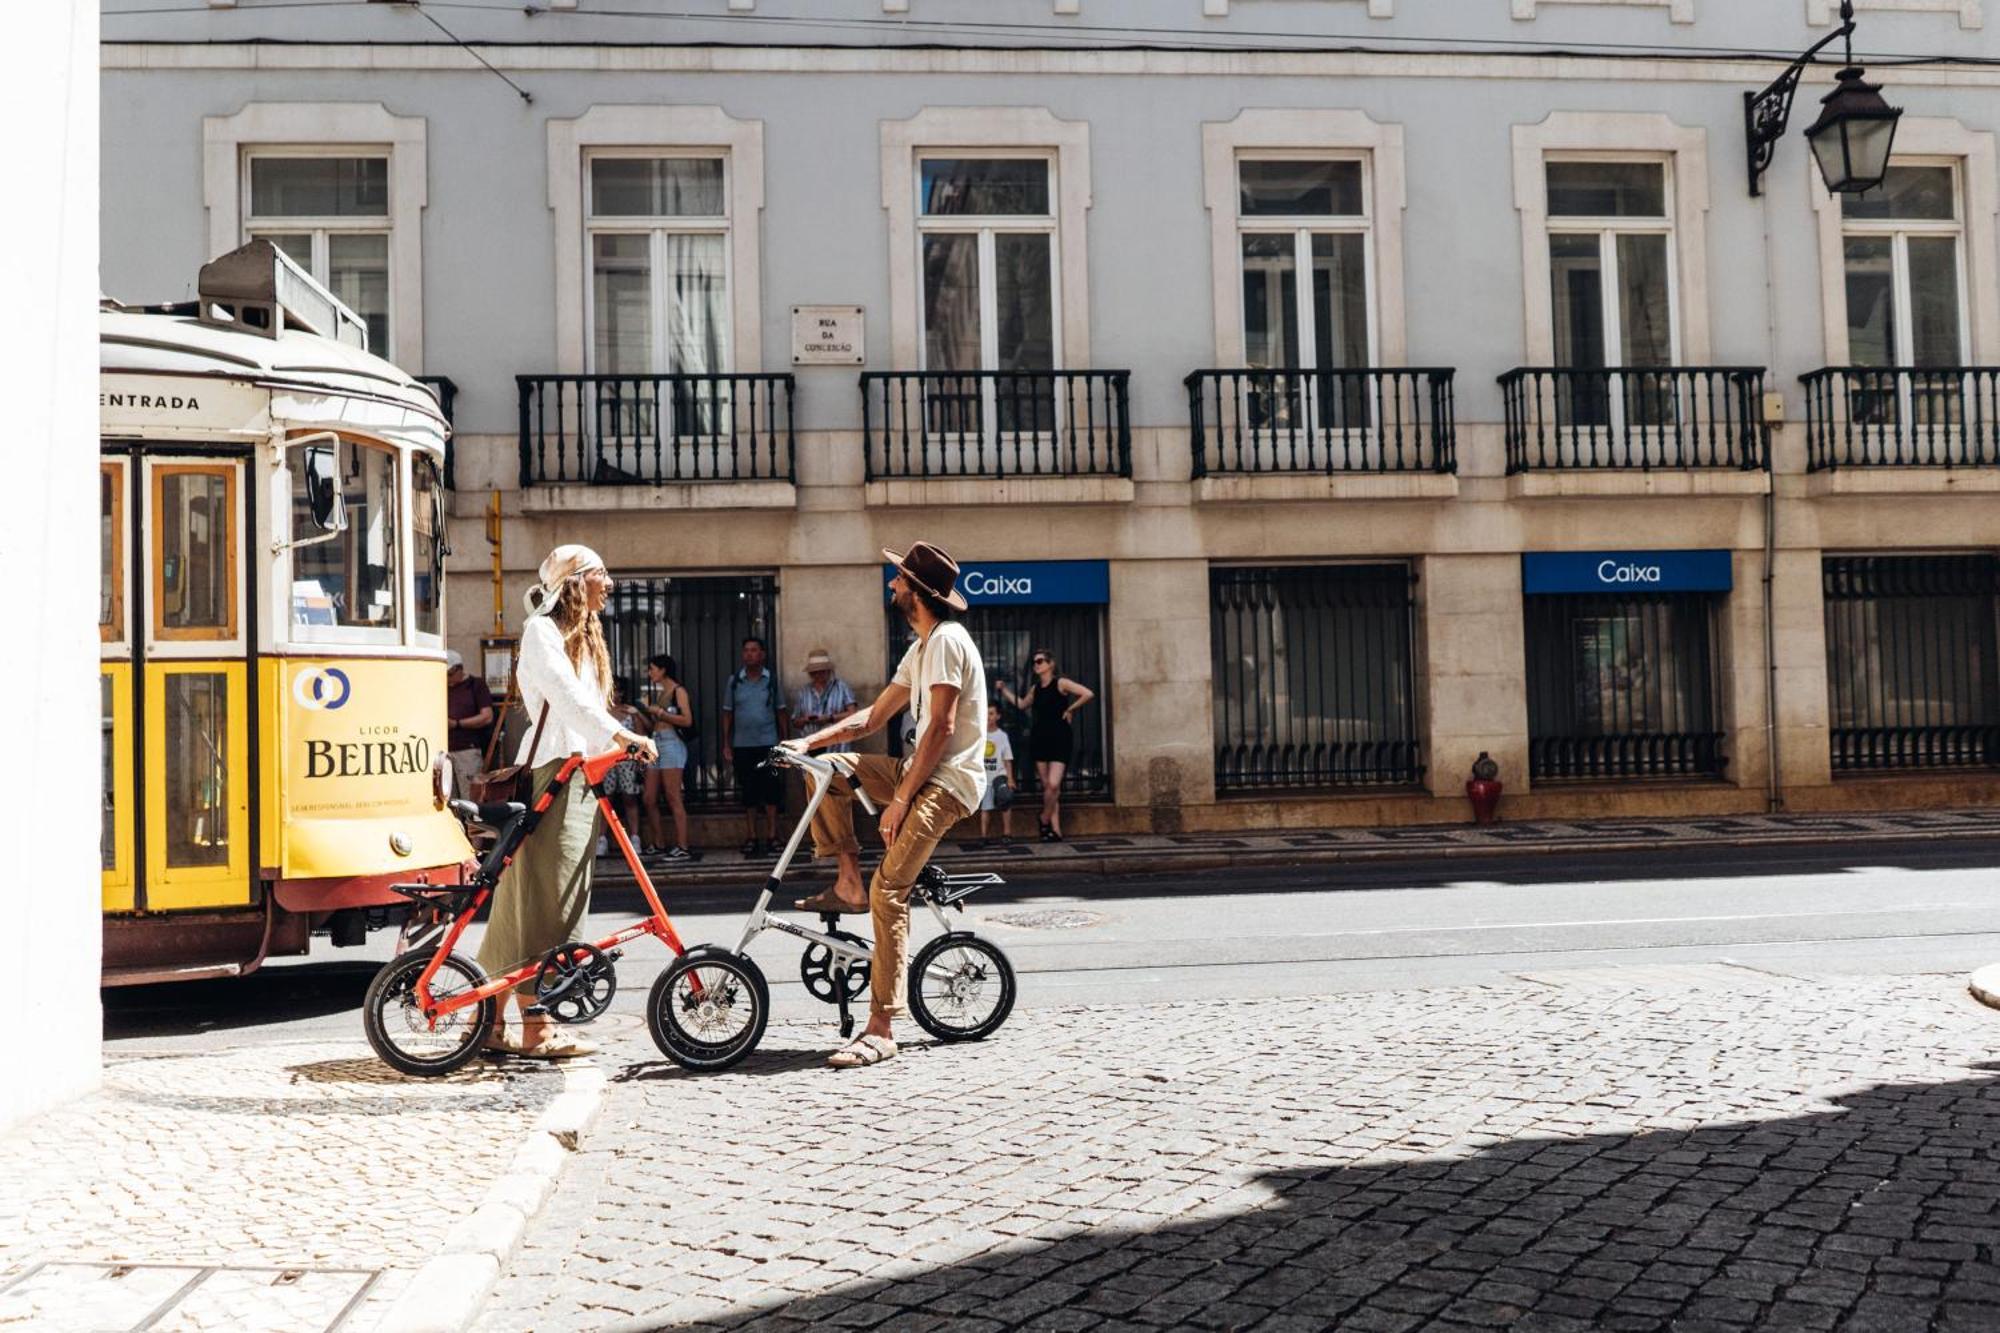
(186, 829)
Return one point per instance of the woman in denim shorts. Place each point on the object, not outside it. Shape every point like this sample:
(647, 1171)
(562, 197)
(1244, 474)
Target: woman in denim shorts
(671, 710)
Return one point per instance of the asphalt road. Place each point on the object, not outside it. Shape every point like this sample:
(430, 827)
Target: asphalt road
(1923, 906)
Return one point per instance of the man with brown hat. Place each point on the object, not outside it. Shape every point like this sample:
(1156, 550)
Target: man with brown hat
(942, 681)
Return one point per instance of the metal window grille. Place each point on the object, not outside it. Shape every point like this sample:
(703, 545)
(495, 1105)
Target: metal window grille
(1007, 637)
(1314, 676)
(1913, 660)
(701, 623)
(1622, 686)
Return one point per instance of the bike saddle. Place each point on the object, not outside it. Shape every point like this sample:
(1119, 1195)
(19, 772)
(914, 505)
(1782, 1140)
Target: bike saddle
(493, 814)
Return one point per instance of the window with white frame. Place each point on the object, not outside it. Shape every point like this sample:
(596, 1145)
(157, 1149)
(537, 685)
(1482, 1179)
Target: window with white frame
(1611, 284)
(1903, 247)
(1308, 303)
(328, 210)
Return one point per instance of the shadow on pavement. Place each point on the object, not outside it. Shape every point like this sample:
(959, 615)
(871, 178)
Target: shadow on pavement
(1884, 1214)
(269, 995)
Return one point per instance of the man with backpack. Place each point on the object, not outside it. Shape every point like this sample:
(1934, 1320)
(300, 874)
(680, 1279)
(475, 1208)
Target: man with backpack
(755, 718)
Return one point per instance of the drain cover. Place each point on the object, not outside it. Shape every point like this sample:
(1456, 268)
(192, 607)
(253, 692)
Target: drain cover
(1052, 918)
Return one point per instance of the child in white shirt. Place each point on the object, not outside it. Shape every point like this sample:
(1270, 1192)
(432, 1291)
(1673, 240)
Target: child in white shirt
(999, 764)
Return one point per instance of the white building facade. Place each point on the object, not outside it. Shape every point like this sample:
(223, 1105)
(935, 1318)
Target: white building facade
(1341, 390)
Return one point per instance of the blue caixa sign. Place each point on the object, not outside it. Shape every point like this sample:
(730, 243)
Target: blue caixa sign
(1029, 582)
(1625, 571)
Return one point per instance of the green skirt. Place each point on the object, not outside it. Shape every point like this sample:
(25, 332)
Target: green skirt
(542, 897)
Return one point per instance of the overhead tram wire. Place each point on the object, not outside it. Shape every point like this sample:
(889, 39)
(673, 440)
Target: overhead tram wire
(1080, 36)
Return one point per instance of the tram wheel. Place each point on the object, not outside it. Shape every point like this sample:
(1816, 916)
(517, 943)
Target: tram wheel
(708, 1010)
(961, 987)
(403, 1037)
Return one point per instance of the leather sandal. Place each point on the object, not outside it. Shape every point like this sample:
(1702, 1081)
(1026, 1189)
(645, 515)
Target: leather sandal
(825, 901)
(863, 1050)
(557, 1043)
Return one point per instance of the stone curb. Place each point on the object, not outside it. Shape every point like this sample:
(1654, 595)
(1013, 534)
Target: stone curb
(1985, 985)
(751, 874)
(450, 1290)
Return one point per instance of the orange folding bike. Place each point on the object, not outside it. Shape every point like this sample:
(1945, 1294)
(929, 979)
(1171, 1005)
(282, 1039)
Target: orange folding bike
(431, 1009)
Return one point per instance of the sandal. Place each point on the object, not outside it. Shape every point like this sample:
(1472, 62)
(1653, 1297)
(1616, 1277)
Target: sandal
(863, 1050)
(557, 1043)
(499, 1043)
(827, 901)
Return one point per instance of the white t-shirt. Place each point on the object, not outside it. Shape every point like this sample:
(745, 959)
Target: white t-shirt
(999, 760)
(949, 657)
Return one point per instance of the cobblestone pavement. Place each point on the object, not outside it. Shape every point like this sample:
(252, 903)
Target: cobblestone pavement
(1693, 1147)
(270, 1186)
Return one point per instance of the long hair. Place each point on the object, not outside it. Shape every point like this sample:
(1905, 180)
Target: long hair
(582, 632)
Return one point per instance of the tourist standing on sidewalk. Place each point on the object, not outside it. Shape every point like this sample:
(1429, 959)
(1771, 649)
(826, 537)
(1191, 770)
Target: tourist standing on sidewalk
(1050, 701)
(824, 700)
(625, 784)
(468, 711)
(943, 682)
(754, 718)
(999, 778)
(565, 680)
(673, 724)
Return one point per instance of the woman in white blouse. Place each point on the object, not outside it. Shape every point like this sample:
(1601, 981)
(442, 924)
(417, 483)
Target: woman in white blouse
(541, 899)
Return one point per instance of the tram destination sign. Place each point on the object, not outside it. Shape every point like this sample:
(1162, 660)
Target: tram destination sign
(1625, 571)
(1029, 582)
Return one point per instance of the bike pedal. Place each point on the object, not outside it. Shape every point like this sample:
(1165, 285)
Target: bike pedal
(536, 1011)
(614, 955)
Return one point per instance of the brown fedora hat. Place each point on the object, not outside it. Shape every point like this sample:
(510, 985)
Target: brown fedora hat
(931, 569)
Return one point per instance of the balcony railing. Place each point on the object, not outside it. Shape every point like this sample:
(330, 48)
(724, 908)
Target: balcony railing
(1628, 755)
(996, 423)
(1868, 416)
(1373, 420)
(446, 393)
(1641, 417)
(641, 430)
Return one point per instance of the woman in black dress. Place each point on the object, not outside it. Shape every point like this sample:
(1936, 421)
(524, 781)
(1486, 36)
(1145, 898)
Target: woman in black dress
(1050, 701)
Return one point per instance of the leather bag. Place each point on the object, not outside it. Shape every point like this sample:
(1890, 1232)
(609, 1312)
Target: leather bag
(497, 785)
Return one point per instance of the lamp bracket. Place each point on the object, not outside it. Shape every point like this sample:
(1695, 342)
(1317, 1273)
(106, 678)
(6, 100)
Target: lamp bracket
(1765, 114)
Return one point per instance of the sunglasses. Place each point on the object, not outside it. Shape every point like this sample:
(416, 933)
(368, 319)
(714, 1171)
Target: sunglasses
(1040, 659)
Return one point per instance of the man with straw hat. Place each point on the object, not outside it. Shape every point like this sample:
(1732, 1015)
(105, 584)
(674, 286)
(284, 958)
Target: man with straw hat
(943, 683)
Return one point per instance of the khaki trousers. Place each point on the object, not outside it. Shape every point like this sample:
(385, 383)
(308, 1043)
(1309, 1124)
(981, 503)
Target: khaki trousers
(931, 816)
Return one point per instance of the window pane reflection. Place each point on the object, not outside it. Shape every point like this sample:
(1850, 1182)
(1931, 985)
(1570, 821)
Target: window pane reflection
(195, 556)
(350, 580)
(197, 796)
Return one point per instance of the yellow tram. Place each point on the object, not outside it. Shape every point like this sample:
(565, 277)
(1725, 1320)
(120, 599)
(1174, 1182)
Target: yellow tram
(271, 615)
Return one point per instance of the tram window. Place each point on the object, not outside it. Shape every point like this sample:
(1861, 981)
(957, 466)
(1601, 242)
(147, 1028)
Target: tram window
(194, 552)
(197, 727)
(111, 553)
(347, 582)
(427, 522)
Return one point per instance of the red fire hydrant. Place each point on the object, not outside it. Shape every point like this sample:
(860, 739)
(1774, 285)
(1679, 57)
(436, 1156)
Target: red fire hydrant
(1483, 789)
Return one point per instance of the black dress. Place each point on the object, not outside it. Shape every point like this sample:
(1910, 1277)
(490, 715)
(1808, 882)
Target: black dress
(1050, 740)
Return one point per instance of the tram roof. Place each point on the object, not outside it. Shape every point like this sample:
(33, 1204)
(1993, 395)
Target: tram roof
(314, 381)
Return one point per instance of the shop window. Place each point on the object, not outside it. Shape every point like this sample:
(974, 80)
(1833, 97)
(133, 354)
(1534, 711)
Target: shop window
(1622, 686)
(1913, 661)
(1314, 677)
(701, 623)
(330, 214)
(344, 585)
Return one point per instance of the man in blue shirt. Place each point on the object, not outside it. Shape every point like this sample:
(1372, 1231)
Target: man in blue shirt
(754, 718)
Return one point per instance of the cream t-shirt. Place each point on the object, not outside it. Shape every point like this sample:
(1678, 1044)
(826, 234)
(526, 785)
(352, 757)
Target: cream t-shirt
(949, 657)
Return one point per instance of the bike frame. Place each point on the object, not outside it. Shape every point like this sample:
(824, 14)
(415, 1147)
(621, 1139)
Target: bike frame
(594, 769)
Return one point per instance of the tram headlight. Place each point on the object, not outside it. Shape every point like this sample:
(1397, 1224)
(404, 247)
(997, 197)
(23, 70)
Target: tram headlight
(400, 844)
(440, 780)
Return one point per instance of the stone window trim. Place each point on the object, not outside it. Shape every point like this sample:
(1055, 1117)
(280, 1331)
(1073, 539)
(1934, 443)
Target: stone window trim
(1821, 13)
(1640, 136)
(667, 131)
(939, 131)
(1978, 202)
(366, 127)
(1680, 11)
(1377, 9)
(1259, 133)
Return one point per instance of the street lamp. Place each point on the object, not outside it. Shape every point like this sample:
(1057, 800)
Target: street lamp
(1851, 138)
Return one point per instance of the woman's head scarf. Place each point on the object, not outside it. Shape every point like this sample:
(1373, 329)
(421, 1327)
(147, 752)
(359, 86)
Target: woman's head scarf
(563, 564)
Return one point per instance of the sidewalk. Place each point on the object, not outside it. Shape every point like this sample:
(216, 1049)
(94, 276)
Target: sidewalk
(1140, 854)
(295, 1186)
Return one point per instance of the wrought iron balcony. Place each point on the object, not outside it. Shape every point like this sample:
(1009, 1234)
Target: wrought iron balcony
(446, 392)
(1872, 416)
(1638, 417)
(1279, 420)
(647, 430)
(996, 423)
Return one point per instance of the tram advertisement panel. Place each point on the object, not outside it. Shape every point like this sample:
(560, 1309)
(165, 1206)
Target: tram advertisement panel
(353, 796)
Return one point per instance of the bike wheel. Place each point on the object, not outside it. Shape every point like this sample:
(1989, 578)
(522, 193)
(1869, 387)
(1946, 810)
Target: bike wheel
(409, 1042)
(961, 987)
(708, 1010)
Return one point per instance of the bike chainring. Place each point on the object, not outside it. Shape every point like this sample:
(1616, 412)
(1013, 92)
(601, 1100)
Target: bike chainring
(576, 983)
(816, 970)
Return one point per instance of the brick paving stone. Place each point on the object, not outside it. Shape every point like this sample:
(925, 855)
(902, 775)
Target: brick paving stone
(1692, 1148)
